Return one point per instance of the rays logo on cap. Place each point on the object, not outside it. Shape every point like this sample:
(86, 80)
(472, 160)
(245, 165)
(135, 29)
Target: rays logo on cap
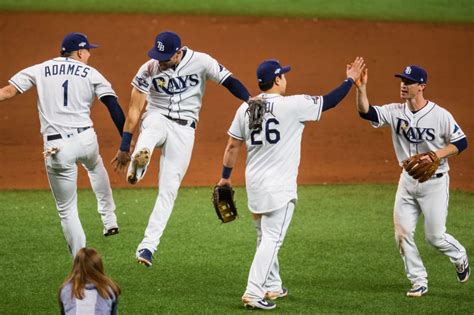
(407, 70)
(160, 46)
(277, 71)
(83, 44)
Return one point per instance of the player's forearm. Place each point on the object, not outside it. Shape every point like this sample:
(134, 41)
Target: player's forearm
(333, 98)
(8, 92)
(236, 88)
(137, 102)
(115, 111)
(228, 164)
(128, 128)
(447, 151)
(131, 121)
(362, 101)
(230, 156)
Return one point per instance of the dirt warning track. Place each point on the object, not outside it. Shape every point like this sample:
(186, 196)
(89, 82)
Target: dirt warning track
(341, 148)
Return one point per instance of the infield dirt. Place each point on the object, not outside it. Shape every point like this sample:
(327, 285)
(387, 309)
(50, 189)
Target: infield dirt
(341, 148)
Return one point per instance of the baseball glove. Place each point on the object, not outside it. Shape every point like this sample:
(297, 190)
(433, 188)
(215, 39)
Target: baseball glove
(422, 166)
(223, 200)
(256, 111)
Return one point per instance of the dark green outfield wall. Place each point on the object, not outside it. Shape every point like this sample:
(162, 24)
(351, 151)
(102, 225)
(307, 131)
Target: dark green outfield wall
(459, 11)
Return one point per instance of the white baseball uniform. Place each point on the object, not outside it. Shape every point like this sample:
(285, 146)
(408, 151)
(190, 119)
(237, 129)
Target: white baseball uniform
(273, 157)
(66, 89)
(429, 129)
(174, 99)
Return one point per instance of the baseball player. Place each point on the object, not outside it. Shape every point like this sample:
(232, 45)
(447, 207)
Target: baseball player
(172, 82)
(273, 156)
(66, 87)
(419, 125)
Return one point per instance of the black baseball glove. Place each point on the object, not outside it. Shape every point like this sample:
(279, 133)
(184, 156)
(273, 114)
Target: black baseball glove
(223, 200)
(256, 111)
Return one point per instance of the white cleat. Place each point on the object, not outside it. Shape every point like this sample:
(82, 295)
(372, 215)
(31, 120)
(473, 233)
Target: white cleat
(258, 304)
(417, 291)
(273, 295)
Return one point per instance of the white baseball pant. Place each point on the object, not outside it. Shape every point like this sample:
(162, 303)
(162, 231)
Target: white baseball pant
(264, 273)
(61, 169)
(176, 143)
(430, 199)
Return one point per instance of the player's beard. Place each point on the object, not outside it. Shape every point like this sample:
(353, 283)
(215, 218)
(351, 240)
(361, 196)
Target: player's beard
(167, 65)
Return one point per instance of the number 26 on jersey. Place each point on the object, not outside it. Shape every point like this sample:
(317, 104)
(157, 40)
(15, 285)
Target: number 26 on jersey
(272, 135)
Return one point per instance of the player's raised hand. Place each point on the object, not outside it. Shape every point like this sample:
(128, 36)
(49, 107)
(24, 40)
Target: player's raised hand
(354, 70)
(361, 82)
(120, 161)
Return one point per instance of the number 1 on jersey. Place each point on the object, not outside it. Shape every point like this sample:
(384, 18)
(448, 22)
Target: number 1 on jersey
(65, 84)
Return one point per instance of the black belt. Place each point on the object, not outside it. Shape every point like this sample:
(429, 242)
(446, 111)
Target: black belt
(437, 175)
(182, 122)
(58, 136)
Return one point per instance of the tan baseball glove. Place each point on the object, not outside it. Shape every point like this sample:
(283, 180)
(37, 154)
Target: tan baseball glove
(422, 166)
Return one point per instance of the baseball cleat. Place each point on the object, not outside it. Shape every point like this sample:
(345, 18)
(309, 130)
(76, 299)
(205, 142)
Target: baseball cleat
(140, 160)
(417, 291)
(145, 257)
(111, 231)
(273, 295)
(257, 304)
(464, 271)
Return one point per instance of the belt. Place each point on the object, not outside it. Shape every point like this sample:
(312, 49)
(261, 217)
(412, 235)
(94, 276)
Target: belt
(58, 136)
(439, 175)
(182, 122)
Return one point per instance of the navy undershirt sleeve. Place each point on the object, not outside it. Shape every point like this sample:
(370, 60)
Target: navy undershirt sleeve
(236, 88)
(115, 111)
(333, 98)
(460, 144)
(370, 115)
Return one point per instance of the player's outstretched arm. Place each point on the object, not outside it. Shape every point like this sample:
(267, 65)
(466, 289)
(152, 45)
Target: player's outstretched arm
(362, 100)
(7, 92)
(353, 72)
(115, 111)
(230, 158)
(236, 88)
(137, 102)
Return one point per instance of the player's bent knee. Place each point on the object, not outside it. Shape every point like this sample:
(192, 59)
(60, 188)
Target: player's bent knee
(435, 240)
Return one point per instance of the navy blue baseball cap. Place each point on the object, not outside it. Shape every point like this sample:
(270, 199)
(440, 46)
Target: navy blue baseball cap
(166, 45)
(76, 41)
(414, 73)
(268, 70)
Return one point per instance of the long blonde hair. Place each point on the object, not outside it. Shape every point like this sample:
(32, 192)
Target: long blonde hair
(88, 268)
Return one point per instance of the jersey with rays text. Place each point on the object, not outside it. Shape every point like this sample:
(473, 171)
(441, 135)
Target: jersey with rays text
(429, 129)
(178, 92)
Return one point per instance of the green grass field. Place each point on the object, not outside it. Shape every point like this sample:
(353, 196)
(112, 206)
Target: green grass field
(387, 10)
(339, 255)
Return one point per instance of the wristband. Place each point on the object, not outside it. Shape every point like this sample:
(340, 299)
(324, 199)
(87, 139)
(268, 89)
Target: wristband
(126, 139)
(226, 172)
